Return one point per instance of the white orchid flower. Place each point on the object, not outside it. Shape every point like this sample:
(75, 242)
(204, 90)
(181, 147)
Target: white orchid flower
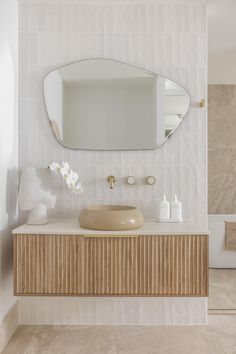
(65, 170)
(54, 167)
(74, 175)
(70, 183)
(78, 189)
(72, 179)
(66, 166)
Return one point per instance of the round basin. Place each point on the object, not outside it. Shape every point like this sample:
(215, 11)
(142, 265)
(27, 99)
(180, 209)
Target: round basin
(111, 217)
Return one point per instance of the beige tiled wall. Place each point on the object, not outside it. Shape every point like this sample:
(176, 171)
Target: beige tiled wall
(167, 38)
(222, 149)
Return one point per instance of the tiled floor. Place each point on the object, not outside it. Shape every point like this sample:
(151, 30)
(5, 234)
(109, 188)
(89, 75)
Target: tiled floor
(219, 337)
(222, 289)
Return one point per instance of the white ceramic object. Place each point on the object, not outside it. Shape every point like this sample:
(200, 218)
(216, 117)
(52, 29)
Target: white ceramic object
(35, 193)
(38, 215)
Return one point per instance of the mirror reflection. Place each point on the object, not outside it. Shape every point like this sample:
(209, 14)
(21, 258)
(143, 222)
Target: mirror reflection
(103, 104)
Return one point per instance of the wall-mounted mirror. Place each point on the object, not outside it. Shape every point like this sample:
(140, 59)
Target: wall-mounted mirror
(103, 104)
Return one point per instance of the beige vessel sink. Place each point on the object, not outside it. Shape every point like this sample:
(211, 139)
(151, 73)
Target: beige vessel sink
(111, 218)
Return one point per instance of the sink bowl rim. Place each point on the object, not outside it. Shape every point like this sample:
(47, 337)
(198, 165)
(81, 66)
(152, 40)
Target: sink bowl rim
(110, 208)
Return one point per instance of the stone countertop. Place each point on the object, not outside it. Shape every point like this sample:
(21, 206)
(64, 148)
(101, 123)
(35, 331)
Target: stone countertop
(72, 227)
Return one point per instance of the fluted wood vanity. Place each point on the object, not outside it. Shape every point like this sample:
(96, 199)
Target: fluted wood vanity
(157, 260)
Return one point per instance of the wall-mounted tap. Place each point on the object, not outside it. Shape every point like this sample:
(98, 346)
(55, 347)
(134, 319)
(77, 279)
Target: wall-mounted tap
(111, 180)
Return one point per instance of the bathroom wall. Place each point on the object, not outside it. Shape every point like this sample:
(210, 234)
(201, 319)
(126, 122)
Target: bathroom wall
(221, 42)
(222, 149)
(167, 38)
(8, 162)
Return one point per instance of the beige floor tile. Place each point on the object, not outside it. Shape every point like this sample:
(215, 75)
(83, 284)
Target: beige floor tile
(217, 338)
(222, 289)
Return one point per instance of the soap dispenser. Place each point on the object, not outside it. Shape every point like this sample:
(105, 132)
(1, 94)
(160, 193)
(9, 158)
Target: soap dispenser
(176, 210)
(164, 210)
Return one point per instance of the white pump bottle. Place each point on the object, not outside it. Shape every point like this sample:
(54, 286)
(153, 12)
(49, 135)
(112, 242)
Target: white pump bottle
(176, 210)
(164, 210)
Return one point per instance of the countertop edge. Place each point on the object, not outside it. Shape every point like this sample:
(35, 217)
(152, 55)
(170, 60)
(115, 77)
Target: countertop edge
(71, 227)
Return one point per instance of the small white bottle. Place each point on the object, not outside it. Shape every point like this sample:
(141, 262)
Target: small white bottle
(176, 210)
(164, 210)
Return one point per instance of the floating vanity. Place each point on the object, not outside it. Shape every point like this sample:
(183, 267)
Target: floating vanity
(61, 258)
(157, 274)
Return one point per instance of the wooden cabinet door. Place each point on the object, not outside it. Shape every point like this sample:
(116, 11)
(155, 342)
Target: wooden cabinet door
(70, 265)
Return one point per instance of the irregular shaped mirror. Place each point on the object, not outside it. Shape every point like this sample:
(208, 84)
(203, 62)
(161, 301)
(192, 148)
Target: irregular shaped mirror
(103, 104)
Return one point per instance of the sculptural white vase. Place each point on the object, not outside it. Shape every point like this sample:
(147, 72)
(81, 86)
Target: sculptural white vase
(35, 194)
(38, 215)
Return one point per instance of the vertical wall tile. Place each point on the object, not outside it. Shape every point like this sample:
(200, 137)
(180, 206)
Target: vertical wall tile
(159, 18)
(172, 16)
(169, 39)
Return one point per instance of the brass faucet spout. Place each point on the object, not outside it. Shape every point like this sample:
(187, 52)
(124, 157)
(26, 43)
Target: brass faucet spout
(111, 180)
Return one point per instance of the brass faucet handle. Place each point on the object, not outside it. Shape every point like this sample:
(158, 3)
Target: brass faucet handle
(111, 180)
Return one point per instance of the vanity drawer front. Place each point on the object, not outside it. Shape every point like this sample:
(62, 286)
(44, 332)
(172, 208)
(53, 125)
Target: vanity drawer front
(139, 266)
